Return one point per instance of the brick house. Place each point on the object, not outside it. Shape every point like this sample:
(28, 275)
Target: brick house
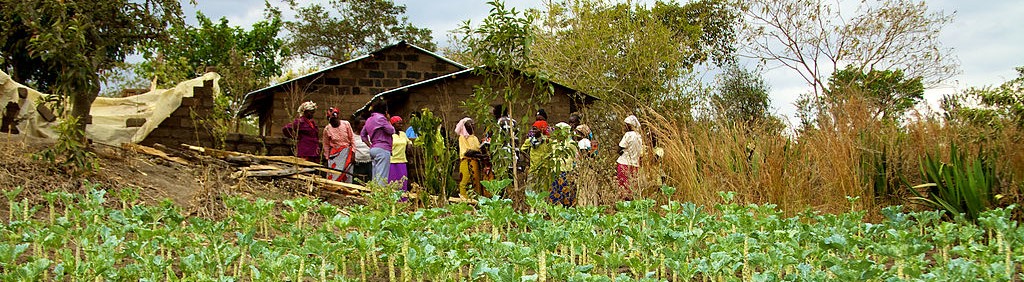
(346, 86)
(444, 96)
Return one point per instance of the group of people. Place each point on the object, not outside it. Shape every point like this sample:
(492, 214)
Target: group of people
(557, 148)
(379, 149)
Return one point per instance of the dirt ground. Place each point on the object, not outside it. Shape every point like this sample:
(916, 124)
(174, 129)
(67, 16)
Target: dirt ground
(198, 189)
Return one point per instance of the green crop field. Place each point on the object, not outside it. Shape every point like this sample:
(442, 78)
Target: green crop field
(82, 238)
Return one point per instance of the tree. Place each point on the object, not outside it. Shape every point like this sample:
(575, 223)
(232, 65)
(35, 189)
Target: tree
(335, 33)
(632, 55)
(816, 38)
(61, 46)
(502, 44)
(888, 91)
(991, 105)
(247, 59)
(741, 95)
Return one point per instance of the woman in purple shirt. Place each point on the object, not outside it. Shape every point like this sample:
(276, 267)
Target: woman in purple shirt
(377, 133)
(304, 129)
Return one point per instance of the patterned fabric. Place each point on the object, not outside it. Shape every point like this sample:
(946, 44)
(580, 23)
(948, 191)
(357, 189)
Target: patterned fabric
(337, 138)
(399, 172)
(562, 191)
(307, 106)
(469, 168)
(341, 161)
(625, 174)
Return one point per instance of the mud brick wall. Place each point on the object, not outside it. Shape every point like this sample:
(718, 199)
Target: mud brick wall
(445, 99)
(182, 126)
(350, 86)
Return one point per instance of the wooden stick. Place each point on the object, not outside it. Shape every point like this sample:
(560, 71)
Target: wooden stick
(356, 187)
(275, 173)
(154, 152)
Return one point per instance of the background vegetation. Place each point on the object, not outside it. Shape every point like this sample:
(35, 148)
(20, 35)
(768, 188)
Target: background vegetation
(861, 133)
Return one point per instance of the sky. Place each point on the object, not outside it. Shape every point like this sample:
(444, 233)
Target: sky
(985, 36)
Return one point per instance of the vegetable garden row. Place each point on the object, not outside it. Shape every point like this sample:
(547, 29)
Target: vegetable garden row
(83, 238)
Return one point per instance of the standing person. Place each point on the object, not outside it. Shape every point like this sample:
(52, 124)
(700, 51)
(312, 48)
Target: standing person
(362, 167)
(541, 121)
(337, 146)
(563, 153)
(399, 142)
(585, 145)
(377, 133)
(469, 153)
(304, 130)
(628, 163)
(537, 146)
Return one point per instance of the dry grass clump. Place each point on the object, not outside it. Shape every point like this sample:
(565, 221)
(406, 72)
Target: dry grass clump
(848, 153)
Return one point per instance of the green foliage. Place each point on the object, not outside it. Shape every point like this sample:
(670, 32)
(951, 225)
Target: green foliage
(962, 186)
(268, 240)
(560, 157)
(439, 159)
(69, 153)
(61, 46)
(628, 54)
(333, 34)
(994, 105)
(889, 92)
(742, 96)
(502, 43)
(247, 59)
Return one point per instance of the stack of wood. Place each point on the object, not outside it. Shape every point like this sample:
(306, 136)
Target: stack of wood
(249, 165)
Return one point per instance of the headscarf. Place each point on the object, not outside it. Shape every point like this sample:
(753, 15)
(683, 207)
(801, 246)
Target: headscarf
(331, 112)
(307, 106)
(543, 126)
(583, 129)
(460, 128)
(395, 119)
(632, 121)
(562, 125)
(542, 113)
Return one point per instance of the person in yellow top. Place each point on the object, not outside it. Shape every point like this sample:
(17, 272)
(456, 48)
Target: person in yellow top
(563, 154)
(399, 142)
(469, 158)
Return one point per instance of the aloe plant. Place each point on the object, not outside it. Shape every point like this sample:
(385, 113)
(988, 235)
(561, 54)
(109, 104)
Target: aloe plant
(962, 186)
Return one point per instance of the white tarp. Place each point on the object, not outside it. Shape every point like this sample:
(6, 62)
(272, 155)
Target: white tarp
(108, 114)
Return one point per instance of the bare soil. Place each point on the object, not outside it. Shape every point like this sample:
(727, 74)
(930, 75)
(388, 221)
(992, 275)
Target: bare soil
(198, 188)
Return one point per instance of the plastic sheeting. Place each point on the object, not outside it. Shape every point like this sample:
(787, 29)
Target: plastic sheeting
(109, 115)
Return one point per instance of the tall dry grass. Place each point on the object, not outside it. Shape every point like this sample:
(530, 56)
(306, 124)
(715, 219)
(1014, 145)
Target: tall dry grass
(848, 153)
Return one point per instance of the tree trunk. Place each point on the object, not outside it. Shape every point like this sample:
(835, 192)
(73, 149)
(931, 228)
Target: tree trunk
(81, 104)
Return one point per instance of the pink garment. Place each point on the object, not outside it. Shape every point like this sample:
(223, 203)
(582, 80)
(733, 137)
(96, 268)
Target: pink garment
(460, 128)
(337, 138)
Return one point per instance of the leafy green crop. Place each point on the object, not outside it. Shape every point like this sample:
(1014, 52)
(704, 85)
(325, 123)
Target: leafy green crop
(85, 239)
